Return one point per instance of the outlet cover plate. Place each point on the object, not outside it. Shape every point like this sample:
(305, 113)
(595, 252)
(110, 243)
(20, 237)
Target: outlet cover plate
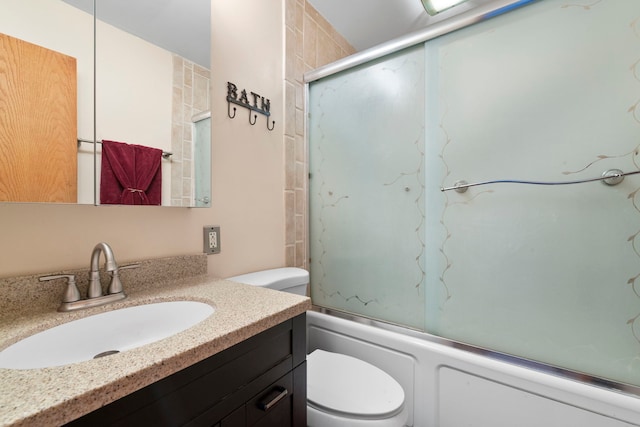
(211, 239)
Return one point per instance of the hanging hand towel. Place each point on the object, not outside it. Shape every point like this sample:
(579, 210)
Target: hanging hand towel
(130, 174)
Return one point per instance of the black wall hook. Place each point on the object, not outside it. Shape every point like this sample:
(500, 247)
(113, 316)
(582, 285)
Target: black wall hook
(229, 111)
(260, 104)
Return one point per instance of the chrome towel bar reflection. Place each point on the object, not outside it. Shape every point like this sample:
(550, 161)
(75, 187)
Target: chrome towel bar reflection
(609, 177)
(165, 154)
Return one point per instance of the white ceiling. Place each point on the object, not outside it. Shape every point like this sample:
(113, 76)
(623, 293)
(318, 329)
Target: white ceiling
(174, 24)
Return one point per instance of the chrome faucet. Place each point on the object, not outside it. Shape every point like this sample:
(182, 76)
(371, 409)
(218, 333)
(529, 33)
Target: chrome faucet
(71, 299)
(110, 265)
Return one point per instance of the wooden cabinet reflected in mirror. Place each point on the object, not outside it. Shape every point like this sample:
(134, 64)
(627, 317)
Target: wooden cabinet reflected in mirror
(38, 124)
(146, 92)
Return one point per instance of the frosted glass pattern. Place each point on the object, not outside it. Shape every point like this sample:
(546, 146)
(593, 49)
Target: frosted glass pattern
(367, 190)
(547, 92)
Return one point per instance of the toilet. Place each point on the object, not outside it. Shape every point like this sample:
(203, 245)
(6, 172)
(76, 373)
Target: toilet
(342, 391)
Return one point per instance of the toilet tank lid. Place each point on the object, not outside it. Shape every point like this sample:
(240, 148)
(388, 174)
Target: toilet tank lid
(276, 278)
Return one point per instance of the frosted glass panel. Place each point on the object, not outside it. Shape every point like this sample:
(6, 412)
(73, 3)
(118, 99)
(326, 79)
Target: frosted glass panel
(547, 92)
(367, 190)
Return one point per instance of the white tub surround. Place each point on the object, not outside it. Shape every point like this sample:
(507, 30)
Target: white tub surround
(452, 387)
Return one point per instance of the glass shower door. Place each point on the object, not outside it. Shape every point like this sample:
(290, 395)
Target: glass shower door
(549, 92)
(367, 190)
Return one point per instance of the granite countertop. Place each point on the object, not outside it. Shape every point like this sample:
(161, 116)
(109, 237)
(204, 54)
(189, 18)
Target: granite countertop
(54, 396)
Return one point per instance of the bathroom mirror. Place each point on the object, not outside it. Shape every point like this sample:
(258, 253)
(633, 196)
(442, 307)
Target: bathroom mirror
(151, 87)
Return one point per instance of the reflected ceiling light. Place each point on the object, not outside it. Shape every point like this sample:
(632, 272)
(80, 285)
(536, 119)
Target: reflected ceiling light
(434, 7)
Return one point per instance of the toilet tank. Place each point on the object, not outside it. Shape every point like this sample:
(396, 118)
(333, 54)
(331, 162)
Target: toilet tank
(287, 279)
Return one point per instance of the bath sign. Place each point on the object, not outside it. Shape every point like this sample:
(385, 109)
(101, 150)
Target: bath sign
(251, 100)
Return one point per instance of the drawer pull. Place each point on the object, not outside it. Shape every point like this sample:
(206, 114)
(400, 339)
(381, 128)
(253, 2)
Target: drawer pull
(279, 392)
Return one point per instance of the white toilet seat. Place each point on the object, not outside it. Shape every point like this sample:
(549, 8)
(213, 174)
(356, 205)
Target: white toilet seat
(346, 391)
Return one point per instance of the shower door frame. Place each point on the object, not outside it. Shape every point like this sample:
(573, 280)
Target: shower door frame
(447, 26)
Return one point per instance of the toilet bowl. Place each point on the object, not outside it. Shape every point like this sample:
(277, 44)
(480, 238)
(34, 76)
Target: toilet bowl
(342, 391)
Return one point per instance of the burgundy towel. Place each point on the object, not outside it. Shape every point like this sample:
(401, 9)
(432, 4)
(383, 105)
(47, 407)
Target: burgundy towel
(130, 174)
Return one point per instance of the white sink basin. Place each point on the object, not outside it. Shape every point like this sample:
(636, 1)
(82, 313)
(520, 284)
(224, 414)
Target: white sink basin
(103, 334)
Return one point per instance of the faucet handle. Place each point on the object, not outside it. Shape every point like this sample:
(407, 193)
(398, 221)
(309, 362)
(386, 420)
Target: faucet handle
(130, 266)
(71, 294)
(115, 286)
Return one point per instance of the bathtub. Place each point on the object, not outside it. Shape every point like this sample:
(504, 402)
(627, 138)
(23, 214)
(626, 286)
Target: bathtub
(448, 385)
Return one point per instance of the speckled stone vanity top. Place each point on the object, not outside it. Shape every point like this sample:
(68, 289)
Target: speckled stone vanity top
(54, 396)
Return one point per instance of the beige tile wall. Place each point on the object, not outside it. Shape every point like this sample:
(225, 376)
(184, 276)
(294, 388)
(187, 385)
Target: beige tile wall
(310, 43)
(191, 95)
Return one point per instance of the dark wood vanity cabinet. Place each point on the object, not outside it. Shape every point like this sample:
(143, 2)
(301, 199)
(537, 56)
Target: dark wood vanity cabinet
(259, 382)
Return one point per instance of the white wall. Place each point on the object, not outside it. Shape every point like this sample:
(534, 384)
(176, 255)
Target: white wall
(248, 171)
(247, 182)
(134, 88)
